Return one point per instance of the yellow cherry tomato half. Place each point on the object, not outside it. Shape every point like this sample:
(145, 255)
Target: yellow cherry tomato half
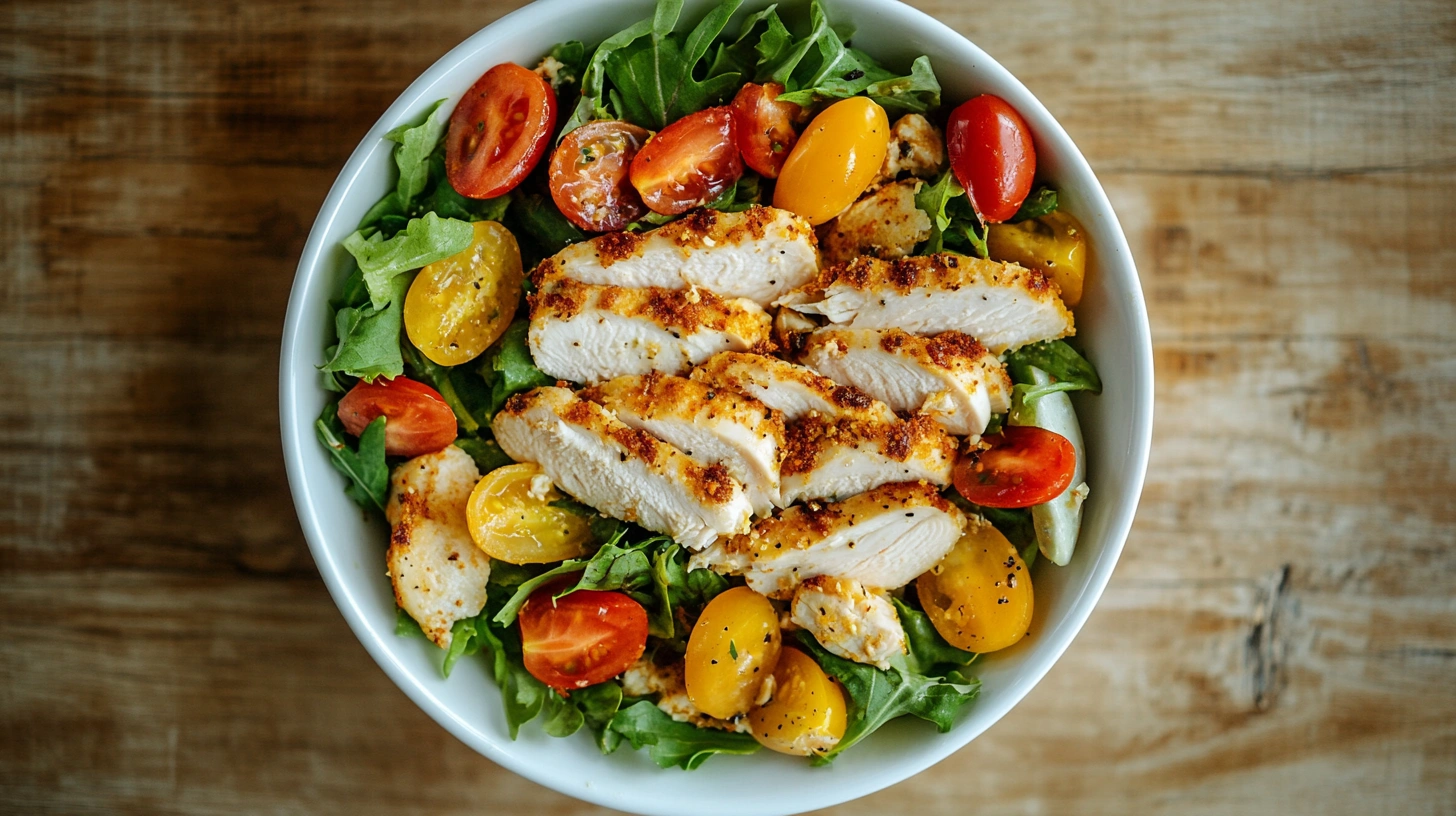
(733, 647)
(807, 713)
(1054, 243)
(457, 307)
(511, 518)
(979, 596)
(835, 159)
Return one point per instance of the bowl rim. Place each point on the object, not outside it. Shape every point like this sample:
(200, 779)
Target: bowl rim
(296, 434)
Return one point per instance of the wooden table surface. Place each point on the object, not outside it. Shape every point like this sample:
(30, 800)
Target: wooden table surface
(1279, 638)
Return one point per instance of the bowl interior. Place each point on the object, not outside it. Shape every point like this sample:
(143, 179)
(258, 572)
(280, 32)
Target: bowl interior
(1112, 326)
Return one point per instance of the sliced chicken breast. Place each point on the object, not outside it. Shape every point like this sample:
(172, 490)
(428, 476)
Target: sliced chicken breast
(710, 425)
(793, 390)
(623, 472)
(439, 574)
(587, 334)
(1002, 305)
(885, 223)
(883, 539)
(826, 458)
(759, 254)
(849, 620)
(949, 377)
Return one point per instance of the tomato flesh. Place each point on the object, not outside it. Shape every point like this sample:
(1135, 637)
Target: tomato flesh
(417, 418)
(499, 131)
(1025, 466)
(589, 175)
(765, 127)
(992, 155)
(689, 162)
(585, 638)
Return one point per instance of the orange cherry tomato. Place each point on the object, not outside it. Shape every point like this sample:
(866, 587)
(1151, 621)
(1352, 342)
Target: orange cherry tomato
(992, 155)
(499, 131)
(765, 127)
(689, 162)
(1025, 466)
(585, 638)
(589, 175)
(835, 159)
(417, 419)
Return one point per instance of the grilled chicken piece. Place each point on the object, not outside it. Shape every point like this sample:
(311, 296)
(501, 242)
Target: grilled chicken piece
(710, 425)
(758, 254)
(791, 389)
(586, 334)
(882, 538)
(826, 458)
(1003, 305)
(885, 223)
(623, 472)
(916, 148)
(849, 620)
(439, 574)
(646, 678)
(949, 377)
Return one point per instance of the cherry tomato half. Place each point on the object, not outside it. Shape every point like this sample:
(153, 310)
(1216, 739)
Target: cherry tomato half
(418, 421)
(835, 159)
(499, 131)
(689, 162)
(765, 127)
(1025, 466)
(992, 155)
(585, 638)
(589, 175)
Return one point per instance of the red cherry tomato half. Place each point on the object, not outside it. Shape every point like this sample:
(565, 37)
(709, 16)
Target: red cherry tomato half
(1025, 466)
(589, 175)
(992, 155)
(689, 162)
(417, 419)
(585, 638)
(765, 127)
(499, 131)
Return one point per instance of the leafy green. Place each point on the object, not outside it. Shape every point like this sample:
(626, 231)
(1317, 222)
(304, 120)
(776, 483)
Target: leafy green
(425, 240)
(917, 92)
(572, 56)
(593, 102)
(954, 224)
(599, 704)
(614, 566)
(655, 78)
(1014, 523)
(1024, 394)
(680, 591)
(405, 626)
(877, 696)
(464, 390)
(416, 142)
(487, 453)
(508, 367)
(670, 742)
(929, 653)
(994, 424)
(368, 337)
(740, 56)
(365, 467)
(1042, 201)
(1057, 358)
(541, 228)
(444, 201)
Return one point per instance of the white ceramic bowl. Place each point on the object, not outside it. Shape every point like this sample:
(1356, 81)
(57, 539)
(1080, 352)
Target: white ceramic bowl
(1112, 325)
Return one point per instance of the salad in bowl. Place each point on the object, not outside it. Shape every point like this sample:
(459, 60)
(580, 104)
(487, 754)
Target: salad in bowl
(713, 381)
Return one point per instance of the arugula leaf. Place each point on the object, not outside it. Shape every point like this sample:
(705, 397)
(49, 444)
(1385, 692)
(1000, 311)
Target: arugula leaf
(487, 453)
(464, 390)
(1057, 358)
(1023, 394)
(614, 566)
(522, 695)
(655, 79)
(1042, 201)
(416, 142)
(953, 221)
(511, 369)
(425, 240)
(369, 338)
(679, 589)
(929, 653)
(919, 92)
(598, 705)
(670, 742)
(535, 221)
(877, 696)
(741, 55)
(365, 467)
(592, 104)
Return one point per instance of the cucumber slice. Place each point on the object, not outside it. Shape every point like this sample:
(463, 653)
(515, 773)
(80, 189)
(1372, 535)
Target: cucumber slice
(1058, 521)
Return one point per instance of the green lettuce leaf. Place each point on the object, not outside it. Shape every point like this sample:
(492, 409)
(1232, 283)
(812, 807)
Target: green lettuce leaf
(1042, 201)
(918, 92)
(509, 368)
(369, 338)
(877, 696)
(655, 79)
(425, 240)
(364, 466)
(954, 224)
(405, 626)
(444, 201)
(1070, 369)
(670, 742)
(929, 653)
(416, 142)
(487, 453)
(593, 102)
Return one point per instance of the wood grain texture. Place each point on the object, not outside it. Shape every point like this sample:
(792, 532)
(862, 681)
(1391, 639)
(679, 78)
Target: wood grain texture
(1279, 638)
